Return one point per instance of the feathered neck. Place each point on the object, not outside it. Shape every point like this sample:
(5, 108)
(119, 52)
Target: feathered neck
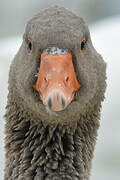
(52, 151)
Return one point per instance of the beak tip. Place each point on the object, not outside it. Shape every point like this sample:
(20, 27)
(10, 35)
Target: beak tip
(56, 102)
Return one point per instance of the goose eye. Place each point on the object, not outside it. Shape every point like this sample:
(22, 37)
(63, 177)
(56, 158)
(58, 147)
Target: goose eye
(29, 45)
(83, 43)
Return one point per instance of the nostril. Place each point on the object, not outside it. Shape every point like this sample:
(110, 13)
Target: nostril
(66, 82)
(45, 79)
(45, 82)
(67, 79)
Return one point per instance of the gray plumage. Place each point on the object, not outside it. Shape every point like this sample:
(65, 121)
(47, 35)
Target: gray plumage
(60, 145)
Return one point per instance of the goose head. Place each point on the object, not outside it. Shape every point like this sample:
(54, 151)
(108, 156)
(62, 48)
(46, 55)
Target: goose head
(57, 75)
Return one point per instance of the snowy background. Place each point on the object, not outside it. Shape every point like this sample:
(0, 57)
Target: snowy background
(105, 33)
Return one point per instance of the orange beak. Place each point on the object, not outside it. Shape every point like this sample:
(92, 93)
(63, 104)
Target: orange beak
(56, 83)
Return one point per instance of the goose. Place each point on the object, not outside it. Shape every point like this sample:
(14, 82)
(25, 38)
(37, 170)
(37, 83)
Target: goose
(56, 85)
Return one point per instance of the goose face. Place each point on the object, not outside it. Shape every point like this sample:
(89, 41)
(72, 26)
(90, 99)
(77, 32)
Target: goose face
(57, 67)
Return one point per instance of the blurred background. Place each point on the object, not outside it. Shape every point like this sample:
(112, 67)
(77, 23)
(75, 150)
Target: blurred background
(103, 18)
(14, 14)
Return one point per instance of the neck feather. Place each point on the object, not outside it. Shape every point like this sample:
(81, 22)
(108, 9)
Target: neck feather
(34, 150)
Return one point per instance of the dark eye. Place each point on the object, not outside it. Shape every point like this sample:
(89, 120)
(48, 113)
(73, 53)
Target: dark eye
(83, 43)
(29, 45)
